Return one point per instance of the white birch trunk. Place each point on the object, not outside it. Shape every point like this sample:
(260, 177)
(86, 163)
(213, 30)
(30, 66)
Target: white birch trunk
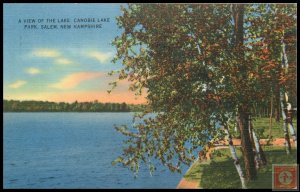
(256, 154)
(293, 133)
(285, 66)
(236, 160)
(291, 127)
(285, 130)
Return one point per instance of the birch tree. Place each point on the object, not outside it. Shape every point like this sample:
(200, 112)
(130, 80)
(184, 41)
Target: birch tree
(284, 103)
(235, 158)
(195, 62)
(273, 30)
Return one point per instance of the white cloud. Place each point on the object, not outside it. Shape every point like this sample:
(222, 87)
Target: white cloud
(52, 53)
(72, 80)
(33, 70)
(17, 84)
(63, 61)
(102, 57)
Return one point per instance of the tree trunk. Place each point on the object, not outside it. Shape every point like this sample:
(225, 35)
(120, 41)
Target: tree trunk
(277, 105)
(286, 122)
(285, 130)
(291, 127)
(259, 151)
(260, 158)
(255, 151)
(288, 113)
(247, 146)
(250, 129)
(238, 16)
(235, 159)
(271, 116)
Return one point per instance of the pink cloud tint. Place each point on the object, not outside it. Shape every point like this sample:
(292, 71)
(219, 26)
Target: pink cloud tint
(73, 80)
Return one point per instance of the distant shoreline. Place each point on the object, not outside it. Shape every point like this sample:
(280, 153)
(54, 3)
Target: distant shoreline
(70, 111)
(47, 106)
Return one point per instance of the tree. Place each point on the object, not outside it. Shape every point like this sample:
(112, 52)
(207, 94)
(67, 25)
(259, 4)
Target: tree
(198, 64)
(276, 29)
(236, 161)
(271, 118)
(39, 106)
(123, 107)
(243, 106)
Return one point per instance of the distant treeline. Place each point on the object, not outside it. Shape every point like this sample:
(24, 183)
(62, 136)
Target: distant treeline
(46, 106)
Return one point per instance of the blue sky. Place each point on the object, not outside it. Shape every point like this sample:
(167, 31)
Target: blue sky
(60, 64)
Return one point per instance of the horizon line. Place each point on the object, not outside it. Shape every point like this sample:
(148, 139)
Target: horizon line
(91, 101)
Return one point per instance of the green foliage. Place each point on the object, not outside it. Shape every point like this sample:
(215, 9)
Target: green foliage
(45, 106)
(185, 57)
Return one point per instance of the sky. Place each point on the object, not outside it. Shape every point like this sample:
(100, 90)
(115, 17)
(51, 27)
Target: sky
(61, 64)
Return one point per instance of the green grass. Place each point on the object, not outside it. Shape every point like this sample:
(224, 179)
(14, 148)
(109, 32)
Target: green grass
(221, 172)
(261, 127)
(196, 171)
(277, 127)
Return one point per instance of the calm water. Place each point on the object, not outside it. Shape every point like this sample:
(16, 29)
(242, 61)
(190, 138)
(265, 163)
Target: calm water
(71, 150)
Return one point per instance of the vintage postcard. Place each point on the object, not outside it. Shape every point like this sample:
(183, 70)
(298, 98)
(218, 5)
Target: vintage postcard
(186, 96)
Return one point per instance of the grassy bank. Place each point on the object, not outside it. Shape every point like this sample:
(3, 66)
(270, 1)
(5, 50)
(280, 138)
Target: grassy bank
(221, 173)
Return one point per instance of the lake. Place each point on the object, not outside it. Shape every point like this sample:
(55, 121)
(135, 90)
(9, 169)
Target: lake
(72, 150)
